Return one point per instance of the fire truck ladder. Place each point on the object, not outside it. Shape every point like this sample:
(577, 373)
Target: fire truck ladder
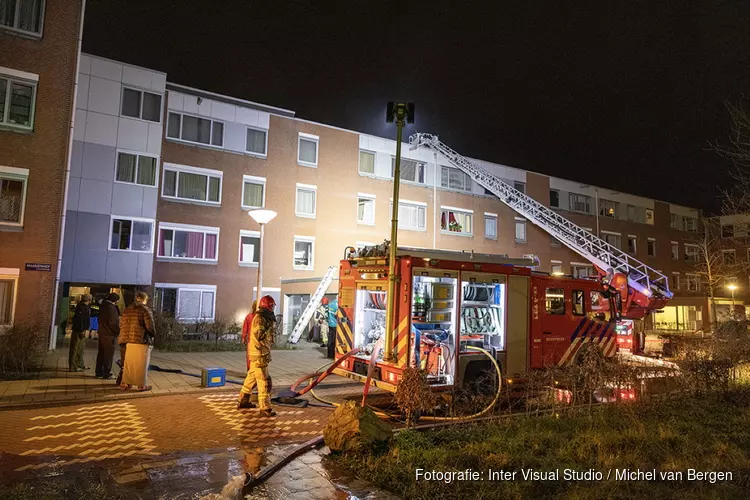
(641, 277)
(312, 305)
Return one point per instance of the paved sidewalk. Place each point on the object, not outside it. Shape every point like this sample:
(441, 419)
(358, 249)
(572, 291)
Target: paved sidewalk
(55, 384)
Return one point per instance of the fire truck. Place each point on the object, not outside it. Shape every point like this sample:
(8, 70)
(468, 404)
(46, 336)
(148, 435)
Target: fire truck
(449, 305)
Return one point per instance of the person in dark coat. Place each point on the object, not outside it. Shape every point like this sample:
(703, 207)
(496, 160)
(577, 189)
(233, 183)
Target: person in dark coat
(81, 323)
(109, 329)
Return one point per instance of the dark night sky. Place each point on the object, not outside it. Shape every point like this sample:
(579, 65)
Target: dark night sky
(630, 91)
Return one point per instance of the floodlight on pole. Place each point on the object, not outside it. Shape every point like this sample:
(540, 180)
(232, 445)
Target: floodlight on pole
(262, 217)
(401, 113)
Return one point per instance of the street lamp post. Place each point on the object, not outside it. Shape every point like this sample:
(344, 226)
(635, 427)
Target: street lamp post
(401, 113)
(262, 217)
(732, 287)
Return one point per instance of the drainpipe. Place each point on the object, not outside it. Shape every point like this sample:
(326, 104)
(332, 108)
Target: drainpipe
(434, 204)
(53, 326)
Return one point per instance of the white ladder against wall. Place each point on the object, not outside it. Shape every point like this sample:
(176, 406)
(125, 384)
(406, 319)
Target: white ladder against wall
(600, 253)
(312, 305)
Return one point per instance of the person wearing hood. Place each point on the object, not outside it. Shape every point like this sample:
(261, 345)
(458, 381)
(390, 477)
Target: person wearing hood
(109, 329)
(259, 352)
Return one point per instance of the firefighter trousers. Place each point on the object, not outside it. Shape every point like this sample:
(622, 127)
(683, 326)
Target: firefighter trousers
(324, 333)
(257, 375)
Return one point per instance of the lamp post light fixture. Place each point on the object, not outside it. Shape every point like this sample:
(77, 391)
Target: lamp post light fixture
(262, 217)
(401, 113)
(732, 287)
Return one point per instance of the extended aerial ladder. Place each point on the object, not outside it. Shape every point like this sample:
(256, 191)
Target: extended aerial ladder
(312, 306)
(648, 289)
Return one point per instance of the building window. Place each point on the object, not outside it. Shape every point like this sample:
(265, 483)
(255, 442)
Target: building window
(490, 226)
(631, 213)
(13, 183)
(135, 235)
(185, 302)
(556, 268)
(307, 150)
(191, 183)
(304, 248)
(520, 229)
(141, 105)
(22, 15)
(614, 239)
(691, 283)
(306, 201)
(411, 170)
(135, 168)
(608, 208)
(727, 231)
(519, 186)
(651, 247)
(256, 141)
(456, 221)
(675, 250)
(8, 282)
(366, 162)
(249, 248)
(17, 98)
(691, 253)
(453, 178)
(554, 198)
(555, 301)
(690, 224)
(675, 281)
(193, 129)
(579, 306)
(580, 203)
(366, 209)
(729, 257)
(582, 271)
(253, 192)
(411, 216)
(649, 216)
(182, 241)
(632, 244)
(554, 242)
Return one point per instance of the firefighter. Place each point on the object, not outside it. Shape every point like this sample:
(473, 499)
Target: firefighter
(321, 317)
(259, 352)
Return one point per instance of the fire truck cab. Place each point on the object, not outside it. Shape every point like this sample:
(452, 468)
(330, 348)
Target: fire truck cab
(447, 301)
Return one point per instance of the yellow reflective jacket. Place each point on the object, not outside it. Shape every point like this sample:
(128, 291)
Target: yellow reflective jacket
(261, 337)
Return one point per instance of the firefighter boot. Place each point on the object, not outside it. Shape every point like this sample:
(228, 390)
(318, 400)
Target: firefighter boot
(244, 402)
(268, 412)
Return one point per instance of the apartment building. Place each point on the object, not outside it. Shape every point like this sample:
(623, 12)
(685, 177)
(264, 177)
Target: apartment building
(332, 188)
(114, 181)
(39, 48)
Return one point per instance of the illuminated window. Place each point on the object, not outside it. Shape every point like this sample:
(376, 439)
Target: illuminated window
(456, 221)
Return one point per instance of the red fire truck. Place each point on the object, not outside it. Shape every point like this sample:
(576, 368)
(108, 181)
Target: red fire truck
(447, 301)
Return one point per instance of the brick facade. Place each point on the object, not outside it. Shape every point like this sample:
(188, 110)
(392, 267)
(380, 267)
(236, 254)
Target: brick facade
(43, 151)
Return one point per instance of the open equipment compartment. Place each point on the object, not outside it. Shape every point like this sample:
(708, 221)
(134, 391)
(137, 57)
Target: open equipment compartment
(369, 325)
(433, 324)
(483, 309)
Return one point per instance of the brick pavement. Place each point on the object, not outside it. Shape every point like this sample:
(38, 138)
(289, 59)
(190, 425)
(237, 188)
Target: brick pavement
(54, 384)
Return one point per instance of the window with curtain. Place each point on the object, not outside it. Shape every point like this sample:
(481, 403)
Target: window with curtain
(411, 216)
(256, 141)
(131, 234)
(520, 226)
(303, 253)
(490, 227)
(22, 15)
(366, 162)
(189, 185)
(17, 99)
(252, 193)
(411, 170)
(187, 244)
(195, 129)
(136, 169)
(365, 210)
(249, 248)
(454, 221)
(580, 203)
(453, 178)
(308, 151)
(613, 239)
(6, 301)
(305, 202)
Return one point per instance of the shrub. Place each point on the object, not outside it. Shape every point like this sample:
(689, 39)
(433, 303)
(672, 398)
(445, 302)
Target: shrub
(21, 350)
(413, 394)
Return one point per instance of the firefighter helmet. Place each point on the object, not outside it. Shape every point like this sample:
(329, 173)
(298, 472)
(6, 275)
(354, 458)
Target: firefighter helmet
(324, 301)
(267, 302)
